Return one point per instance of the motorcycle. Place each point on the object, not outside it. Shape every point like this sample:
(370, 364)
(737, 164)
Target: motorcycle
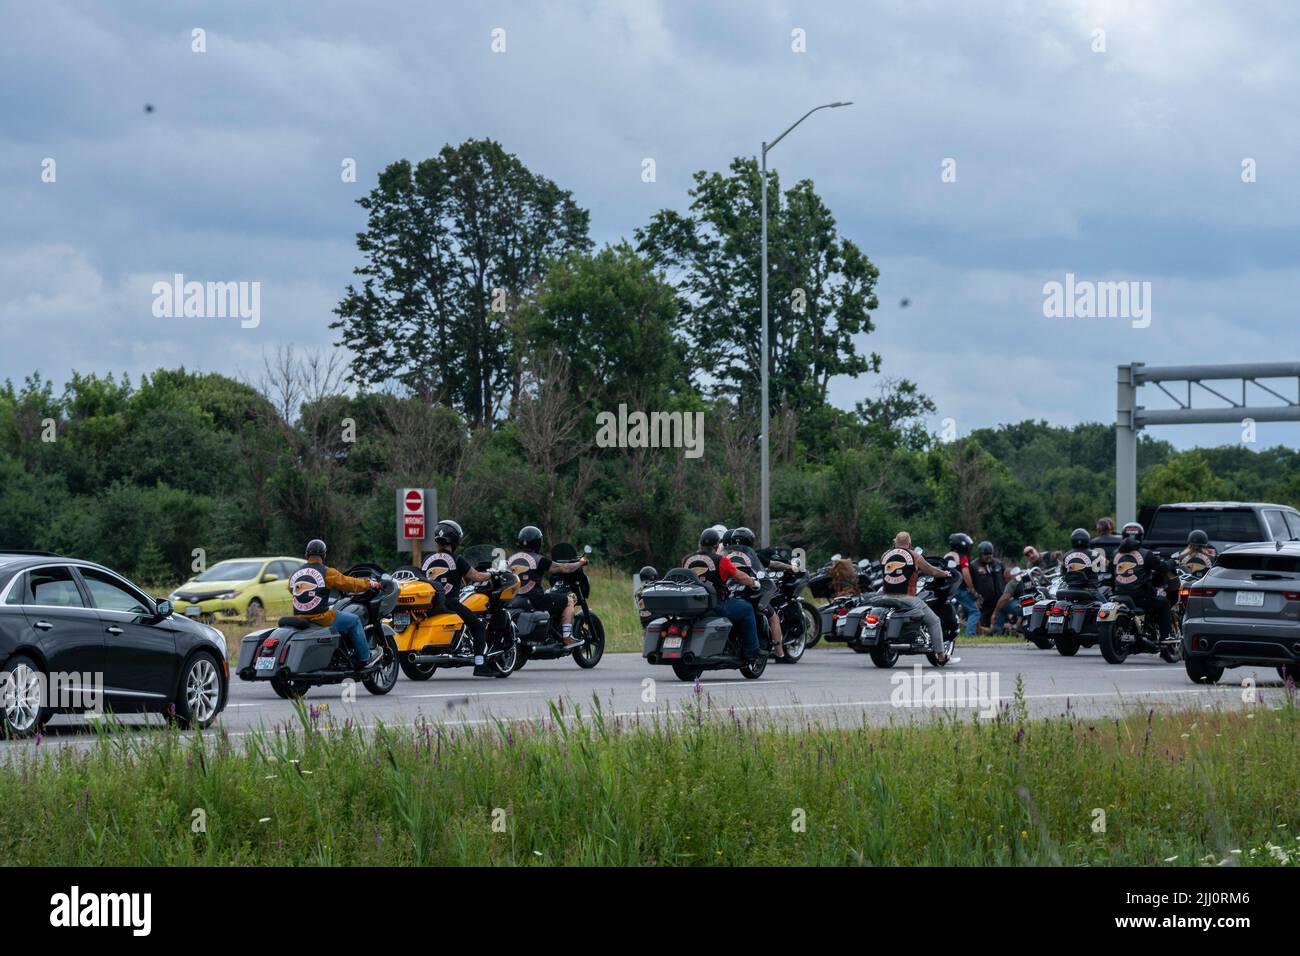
(427, 637)
(297, 655)
(687, 632)
(833, 612)
(1035, 585)
(1068, 616)
(877, 625)
(540, 638)
(1124, 628)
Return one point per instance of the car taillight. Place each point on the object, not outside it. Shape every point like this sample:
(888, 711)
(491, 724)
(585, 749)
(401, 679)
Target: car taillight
(1202, 592)
(872, 619)
(1291, 595)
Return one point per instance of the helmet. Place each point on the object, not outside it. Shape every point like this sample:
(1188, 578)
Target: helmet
(728, 538)
(648, 574)
(1080, 538)
(743, 537)
(529, 538)
(864, 564)
(960, 542)
(448, 532)
(1134, 530)
(710, 538)
(1198, 538)
(315, 547)
(986, 547)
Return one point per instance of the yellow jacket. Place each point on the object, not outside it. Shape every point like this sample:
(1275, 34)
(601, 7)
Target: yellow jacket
(339, 582)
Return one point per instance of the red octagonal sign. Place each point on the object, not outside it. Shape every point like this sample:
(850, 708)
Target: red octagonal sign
(413, 518)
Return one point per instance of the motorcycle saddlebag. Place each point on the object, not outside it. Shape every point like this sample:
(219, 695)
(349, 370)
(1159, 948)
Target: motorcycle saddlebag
(676, 599)
(532, 623)
(708, 637)
(848, 627)
(311, 649)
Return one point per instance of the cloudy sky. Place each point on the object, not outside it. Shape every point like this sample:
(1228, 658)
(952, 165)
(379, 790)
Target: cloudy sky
(1115, 164)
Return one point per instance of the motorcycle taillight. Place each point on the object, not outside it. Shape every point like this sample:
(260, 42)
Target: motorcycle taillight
(872, 619)
(269, 644)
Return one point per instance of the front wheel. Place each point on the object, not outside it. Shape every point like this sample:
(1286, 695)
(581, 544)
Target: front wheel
(948, 646)
(199, 701)
(1171, 653)
(753, 670)
(588, 629)
(812, 624)
(383, 678)
(1067, 645)
(1114, 640)
(507, 662)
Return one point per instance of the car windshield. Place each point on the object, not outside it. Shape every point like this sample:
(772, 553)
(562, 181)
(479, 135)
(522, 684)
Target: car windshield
(1248, 561)
(1175, 524)
(231, 571)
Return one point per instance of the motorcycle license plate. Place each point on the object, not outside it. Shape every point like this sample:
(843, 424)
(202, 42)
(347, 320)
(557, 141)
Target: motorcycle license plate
(1250, 598)
(401, 622)
(265, 663)
(672, 643)
(1027, 611)
(1055, 624)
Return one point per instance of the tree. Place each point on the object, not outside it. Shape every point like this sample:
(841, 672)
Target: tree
(821, 287)
(451, 246)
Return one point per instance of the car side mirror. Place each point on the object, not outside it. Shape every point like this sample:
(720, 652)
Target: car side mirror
(268, 578)
(586, 549)
(164, 609)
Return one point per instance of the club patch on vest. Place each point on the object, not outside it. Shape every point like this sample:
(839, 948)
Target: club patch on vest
(308, 589)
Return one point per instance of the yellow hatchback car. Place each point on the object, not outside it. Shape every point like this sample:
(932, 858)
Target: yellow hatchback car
(249, 589)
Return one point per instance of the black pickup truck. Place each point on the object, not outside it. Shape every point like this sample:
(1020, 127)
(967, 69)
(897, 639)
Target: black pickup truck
(1225, 522)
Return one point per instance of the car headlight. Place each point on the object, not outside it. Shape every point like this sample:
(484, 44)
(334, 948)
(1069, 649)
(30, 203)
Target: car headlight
(227, 595)
(174, 596)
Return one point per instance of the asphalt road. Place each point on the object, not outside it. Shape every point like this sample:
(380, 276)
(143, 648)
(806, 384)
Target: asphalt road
(829, 686)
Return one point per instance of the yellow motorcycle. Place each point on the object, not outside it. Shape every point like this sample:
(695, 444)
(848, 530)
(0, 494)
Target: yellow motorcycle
(428, 637)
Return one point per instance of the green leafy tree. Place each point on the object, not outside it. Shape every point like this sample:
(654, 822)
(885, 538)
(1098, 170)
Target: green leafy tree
(451, 246)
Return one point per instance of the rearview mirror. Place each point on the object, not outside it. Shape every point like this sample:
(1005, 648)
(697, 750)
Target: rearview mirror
(164, 608)
(268, 578)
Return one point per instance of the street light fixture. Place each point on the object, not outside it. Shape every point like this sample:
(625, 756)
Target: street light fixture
(766, 532)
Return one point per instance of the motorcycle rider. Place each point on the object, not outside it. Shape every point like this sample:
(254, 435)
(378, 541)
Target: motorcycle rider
(309, 591)
(990, 578)
(718, 570)
(1106, 539)
(960, 545)
(1079, 565)
(743, 539)
(902, 564)
(1198, 557)
(1138, 571)
(446, 571)
(531, 566)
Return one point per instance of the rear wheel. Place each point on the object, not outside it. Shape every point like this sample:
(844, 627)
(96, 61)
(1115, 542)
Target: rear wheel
(418, 671)
(290, 689)
(1203, 671)
(687, 672)
(587, 628)
(1041, 641)
(1115, 639)
(882, 655)
(24, 706)
(1067, 645)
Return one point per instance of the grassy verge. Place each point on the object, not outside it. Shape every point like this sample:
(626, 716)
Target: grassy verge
(1189, 788)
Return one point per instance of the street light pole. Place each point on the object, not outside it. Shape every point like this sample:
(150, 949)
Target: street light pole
(765, 538)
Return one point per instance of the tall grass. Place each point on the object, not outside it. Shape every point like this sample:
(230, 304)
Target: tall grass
(712, 788)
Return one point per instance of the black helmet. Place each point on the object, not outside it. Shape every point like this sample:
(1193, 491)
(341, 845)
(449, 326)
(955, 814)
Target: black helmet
(986, 547)
(1134, 530)
(960, 542)
(1198, 538)
(648, 574)
(729, 537)
(448, 532)
(529, 538)
(743, 537)
(1080, 538)
(710, 539)
(315, 547)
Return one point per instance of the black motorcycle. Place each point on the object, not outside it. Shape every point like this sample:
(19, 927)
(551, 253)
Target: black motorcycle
(877, 626)
(687, 632)
(1124, 628)
(297, 655)
(541, 639)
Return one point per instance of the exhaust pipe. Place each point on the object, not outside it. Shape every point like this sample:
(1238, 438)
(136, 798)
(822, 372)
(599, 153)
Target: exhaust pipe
(652, 658)
(1203, 643)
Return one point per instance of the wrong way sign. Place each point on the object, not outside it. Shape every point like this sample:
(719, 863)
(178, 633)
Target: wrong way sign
(417, 513)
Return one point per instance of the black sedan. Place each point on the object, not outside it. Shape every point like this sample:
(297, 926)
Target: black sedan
(1244, 611)
(77, 637)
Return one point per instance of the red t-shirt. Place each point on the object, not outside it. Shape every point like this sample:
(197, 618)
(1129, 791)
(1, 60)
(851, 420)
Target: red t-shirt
(726, 569)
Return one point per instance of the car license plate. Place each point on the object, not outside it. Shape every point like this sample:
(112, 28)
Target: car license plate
(192, 611)
(671, 643)
(265, 663)
(1250, 598)
(401, 622)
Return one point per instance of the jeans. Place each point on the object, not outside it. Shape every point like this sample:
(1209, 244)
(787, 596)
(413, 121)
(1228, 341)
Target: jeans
(967, 601)
(916, 608)
(349, 625)
(739, 611)
(1156, 605)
